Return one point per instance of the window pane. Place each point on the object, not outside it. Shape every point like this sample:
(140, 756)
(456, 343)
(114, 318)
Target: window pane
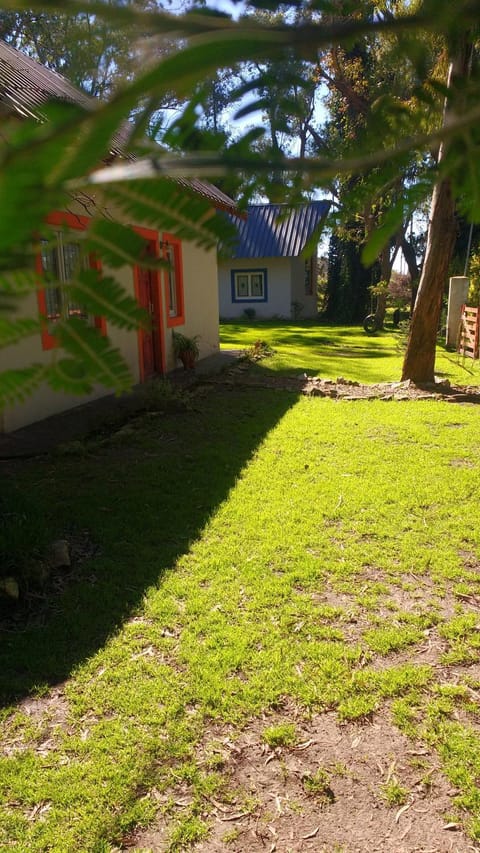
(241, 281)
(50, 266)
(257, 284)
(71, 265)
(75, 310)
(60, 264)
(71, 259)
(53, 300)
(49, 260)
(172, 281)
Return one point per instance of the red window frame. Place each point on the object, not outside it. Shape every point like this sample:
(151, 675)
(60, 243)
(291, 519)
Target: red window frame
(172, 242)
(63, 219)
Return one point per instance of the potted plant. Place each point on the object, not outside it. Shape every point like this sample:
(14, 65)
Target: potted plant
(186, 349)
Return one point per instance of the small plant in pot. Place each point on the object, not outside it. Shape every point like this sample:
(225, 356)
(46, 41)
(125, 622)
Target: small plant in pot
(186, 349)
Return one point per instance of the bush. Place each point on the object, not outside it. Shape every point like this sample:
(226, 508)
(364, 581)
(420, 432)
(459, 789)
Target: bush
(259, 350)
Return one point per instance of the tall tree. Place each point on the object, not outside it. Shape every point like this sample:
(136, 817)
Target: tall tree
(83, 47)
(419, 362)
(359, 79)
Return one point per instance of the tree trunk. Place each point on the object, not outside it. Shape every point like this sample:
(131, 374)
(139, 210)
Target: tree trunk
(381, 310)
(419, 363)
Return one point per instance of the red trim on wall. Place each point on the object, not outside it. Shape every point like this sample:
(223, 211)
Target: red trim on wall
(177, 319)
(65, 219)
(153, 246)
(149, 233)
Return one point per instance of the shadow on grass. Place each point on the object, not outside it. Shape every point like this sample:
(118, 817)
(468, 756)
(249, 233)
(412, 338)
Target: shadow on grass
(466, 365)
(144, 500)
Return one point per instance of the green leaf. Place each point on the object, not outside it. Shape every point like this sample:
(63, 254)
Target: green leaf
(68, 376)
(28, 190)
(167, 206)
(17, 385)
(105, 297)
(391, 222)
(311, 245)
(116, 244)
(99, 359)
(18, 282)
(13, 331)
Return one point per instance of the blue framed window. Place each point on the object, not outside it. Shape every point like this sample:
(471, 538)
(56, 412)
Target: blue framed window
(249, 285)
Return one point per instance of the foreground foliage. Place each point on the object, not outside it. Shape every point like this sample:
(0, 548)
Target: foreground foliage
(44, 163)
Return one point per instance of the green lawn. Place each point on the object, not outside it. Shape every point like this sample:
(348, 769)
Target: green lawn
(247, 546)
(333, 351)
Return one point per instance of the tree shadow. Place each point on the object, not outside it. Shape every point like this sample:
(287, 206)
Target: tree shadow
(143, 498)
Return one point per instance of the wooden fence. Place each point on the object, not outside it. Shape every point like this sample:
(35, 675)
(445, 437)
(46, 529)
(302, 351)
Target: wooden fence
(468, 335)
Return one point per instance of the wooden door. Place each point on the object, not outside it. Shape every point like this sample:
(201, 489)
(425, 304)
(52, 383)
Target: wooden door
(150, 348)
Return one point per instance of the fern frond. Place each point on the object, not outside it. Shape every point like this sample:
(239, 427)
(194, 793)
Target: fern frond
(105, 297)
(17, 385)
(17, 282)
(170, 209)
(69, 376)
(13, 331)
(116, 244)
(101, 361)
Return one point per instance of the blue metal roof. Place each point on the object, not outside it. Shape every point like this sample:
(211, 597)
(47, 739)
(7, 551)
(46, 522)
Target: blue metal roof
(277, 230)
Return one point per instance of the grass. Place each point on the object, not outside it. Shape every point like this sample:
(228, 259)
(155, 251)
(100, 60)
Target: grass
(282, 735)
(393, 793)
(332, 351)
(318, 785)
(251, 547)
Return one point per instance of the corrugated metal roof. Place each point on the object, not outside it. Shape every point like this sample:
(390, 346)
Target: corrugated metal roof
(209, 191)
(25, 86)
(277, 230)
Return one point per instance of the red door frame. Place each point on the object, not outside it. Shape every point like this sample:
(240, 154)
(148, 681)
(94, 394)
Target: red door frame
(155, 309)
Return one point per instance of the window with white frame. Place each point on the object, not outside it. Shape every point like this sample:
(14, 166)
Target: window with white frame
(61, 259)
(249, 285)
(172, 281)
(172, 253)
(58, 262)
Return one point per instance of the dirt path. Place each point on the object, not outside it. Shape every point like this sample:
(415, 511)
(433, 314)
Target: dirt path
(283, 804)
(346, 389)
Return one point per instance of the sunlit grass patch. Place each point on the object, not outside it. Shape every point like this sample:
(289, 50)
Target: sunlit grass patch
(393, 792)
(283, 734)
(317, 785)
(259, 548)
(338, 351)
(391, 638)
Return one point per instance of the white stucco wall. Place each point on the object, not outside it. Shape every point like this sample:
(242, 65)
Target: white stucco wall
(201, 302)
(278, 287)
(44, 401)
(309, 302)
(200, 281)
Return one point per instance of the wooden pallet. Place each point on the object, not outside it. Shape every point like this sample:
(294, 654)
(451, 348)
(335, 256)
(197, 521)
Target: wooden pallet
(468, 336)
